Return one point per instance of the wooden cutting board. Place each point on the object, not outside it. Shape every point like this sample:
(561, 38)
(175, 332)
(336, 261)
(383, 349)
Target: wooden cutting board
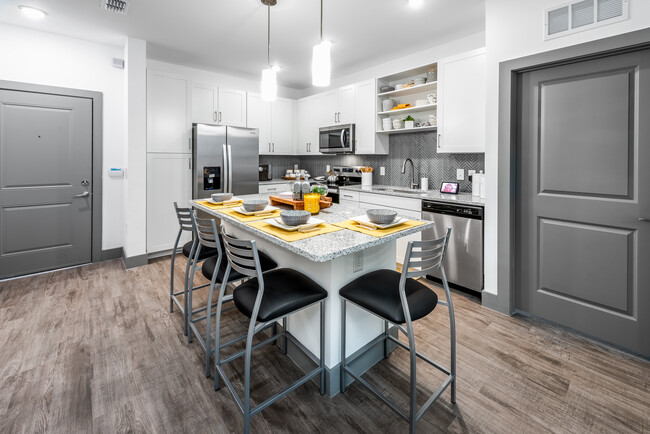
(325, 202)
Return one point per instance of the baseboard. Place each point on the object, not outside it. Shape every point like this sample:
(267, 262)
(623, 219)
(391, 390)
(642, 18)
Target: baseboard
(490, 301)
(110, 254)
(134, 261)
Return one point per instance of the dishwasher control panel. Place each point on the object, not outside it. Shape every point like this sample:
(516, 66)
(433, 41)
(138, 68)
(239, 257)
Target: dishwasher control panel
(469, 211)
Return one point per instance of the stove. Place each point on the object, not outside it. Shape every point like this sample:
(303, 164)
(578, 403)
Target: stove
(347, 175)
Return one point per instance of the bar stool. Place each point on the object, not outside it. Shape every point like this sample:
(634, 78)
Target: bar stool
(185, 225)
(399, 299)
(214, 269)
(265, 298)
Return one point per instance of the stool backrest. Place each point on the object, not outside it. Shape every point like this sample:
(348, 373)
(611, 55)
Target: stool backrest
(184, 216)
(425, 256)
(242, 256)
(206, 232)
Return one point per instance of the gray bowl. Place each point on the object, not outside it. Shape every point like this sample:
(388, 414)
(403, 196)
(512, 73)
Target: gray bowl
(381, 216)
(221, 197)
(295, 217)
(255, 205)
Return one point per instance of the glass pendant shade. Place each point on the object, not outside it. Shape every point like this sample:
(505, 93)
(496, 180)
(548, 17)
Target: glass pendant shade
(321, 66)
(269, 84)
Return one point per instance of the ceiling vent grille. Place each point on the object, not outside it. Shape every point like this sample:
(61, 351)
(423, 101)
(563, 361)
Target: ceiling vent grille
(117, 6)
(569, 18)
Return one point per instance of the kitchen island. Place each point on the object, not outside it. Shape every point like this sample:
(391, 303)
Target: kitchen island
(332, 260)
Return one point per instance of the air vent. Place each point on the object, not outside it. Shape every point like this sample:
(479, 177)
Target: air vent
(117, 6)
(576, 16)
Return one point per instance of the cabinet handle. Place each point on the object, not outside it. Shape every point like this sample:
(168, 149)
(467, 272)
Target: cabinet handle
(339, 116)
(219, 117)
(214, 117)
(190, 163)
(439, 140)
(273, 147)
(189, 143)
(272, 189)
(348, 196)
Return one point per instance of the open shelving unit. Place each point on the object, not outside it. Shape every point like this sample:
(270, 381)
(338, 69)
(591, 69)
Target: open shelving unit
(408, 95)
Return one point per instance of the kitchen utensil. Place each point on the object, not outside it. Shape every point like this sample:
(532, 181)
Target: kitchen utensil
(366, 179)
(419, 81)
(333, 178)
(295, 217)
(255, 204)
(381, 216)
(221, 197)
(387, 104)
(419, 102)
(386, 124)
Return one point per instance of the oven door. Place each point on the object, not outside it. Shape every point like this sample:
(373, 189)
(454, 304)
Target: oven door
(336, 140)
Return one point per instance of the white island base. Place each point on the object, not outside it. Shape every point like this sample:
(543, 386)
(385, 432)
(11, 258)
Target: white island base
(332, 275)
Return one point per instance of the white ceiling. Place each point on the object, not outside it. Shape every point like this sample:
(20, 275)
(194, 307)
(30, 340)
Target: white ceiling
(230, 36)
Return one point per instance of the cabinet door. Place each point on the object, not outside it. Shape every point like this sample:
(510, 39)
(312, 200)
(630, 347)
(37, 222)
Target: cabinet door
(232, 108)
(347, 102)
(302, 141)
(366, 138)
(168, 126)
(204, 104)
(315, 122)
(168, 181)
(282, 126)
(259, 116)
(461, 103)
(274, 188)
(330, 108)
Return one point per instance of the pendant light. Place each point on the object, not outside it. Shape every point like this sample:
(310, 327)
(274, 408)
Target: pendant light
(269, 76)
(321, 66)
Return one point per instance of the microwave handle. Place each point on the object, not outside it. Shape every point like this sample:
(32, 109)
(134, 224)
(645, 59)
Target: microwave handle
(343, 138)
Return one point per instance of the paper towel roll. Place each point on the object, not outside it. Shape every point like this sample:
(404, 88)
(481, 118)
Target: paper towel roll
(481, 186)
(476, 181)
(424, 183)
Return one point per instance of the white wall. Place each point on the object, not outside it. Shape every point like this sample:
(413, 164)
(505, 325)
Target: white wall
(216, 78)
(414, 60)
(514, 29)
(44, 58)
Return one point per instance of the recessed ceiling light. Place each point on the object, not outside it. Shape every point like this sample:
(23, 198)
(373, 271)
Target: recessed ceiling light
(32, 13)
(415, 3)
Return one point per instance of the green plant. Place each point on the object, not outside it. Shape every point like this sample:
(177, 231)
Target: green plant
(320, 189)
(408, 118)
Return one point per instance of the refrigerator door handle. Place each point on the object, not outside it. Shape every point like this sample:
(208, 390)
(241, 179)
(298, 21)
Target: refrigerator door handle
(225, 169)
(229, 169)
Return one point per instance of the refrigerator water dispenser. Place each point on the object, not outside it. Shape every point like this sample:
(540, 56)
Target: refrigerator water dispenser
(212, 178)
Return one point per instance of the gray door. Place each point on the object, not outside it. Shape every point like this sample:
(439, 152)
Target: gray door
(45, 176)
(583, 190)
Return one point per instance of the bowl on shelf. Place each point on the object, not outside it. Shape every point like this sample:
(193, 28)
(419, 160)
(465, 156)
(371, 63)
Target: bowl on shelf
(419, 81)
(221, 197)
(386, 124)
(384, 88)
(419, 102)
(295, 217)
(387, 104)
(381, 216)
(254, 205)
(398, 124)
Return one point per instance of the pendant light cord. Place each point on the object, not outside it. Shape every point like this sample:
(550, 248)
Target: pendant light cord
(321, 20)
(268, 45)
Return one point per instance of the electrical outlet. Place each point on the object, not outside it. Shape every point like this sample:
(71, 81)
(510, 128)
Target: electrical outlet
(382, 170)
(357, 262)
(327, 169)
(460, 174)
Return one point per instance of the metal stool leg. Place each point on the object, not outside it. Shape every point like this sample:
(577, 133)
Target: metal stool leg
(190, 291)
(386, 353)
(413, 393)
(171, 280)
(284, 328)
(187, 282)
(322, 348)
(342, 374)
(247, 376)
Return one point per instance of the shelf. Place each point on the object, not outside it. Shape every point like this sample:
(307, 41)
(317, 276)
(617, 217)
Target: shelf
(408, 130)
(418, 108)
(411, 90)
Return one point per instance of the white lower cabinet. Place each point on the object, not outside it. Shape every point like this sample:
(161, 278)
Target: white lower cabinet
(275, 188)
(349, 198)
(168, 181)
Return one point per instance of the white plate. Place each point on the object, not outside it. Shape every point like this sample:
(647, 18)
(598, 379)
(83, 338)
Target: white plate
(365, 219)
(241, 210)
(277, 222)
(232, 199)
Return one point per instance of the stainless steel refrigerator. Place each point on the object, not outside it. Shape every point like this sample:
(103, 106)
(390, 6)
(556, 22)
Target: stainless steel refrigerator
(224, 159)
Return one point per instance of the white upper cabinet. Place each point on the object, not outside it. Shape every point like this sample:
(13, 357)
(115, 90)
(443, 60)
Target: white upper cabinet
(302, 119)
(167, 113)
(339, 105)
(204, 103)
(232, 108)
(461, 103)
(316, 117)
(367, 141)
(275, 123)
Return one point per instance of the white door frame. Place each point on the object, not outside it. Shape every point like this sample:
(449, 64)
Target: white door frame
(97, 254)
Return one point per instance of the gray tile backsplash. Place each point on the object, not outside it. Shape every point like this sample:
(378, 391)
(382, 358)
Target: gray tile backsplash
(419, 147)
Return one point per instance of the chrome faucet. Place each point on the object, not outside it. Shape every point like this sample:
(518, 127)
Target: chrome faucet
(414, 184)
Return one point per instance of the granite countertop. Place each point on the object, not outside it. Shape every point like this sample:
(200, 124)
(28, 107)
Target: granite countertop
(393, 190)
(321, 248)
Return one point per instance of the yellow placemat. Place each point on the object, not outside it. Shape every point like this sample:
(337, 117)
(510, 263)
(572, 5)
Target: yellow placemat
(324, 228)
(252, 218)
(354, 226)
(214, 206)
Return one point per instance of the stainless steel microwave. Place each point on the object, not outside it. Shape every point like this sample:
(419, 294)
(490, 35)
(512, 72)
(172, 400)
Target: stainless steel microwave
(338, 139)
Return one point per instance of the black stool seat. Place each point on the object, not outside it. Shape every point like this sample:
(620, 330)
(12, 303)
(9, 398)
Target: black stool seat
(378, 292)
(206, 252)
(209, 265)
(285, 291)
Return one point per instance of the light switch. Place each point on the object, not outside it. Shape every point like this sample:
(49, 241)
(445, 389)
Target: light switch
(460, 174)
(382, 170)
(327, 168)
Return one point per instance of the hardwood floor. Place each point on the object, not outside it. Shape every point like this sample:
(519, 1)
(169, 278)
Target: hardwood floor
(95, 349)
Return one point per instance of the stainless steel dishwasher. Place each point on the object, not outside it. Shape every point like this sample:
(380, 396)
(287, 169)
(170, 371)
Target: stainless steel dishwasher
(464, 259)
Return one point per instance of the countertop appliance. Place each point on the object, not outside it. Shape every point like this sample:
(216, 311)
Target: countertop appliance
(221, 160)
(265, 172)
(338, 139)
(464, 260)
(345, 175)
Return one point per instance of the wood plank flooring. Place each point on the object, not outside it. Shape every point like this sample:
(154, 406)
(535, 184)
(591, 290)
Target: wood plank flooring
(95, 349)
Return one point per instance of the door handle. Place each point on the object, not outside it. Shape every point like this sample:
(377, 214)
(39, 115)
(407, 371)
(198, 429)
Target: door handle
(214, 117)
(219, 117)
(273, 147)
(84, 194)
(229, 169)
(643, 219)
(339, 116)
(225, 168)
